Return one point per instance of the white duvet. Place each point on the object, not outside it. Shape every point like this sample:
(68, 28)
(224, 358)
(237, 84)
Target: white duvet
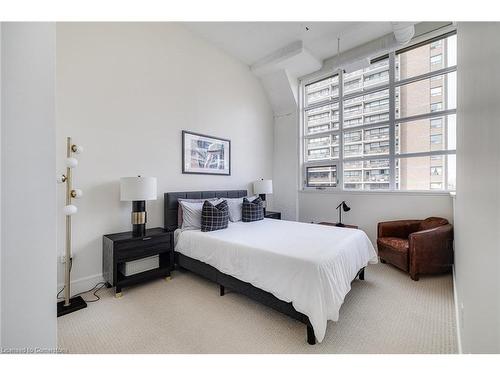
(310, 265)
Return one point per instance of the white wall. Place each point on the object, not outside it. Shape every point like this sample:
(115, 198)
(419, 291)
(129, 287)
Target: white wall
(477, 228)
(125, 91)
(28, 193)
(286, 165)
(367, 209)
(281, 90)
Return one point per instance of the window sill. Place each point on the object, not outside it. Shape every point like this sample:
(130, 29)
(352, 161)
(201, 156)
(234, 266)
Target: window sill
(381, 192)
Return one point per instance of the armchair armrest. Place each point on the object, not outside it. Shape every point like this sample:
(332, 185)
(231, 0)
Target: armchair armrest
(431, 250)
(398, 228)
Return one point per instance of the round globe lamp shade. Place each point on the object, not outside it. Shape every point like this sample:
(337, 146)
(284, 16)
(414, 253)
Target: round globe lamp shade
(71, 162)
(70, 210)
(138, 188)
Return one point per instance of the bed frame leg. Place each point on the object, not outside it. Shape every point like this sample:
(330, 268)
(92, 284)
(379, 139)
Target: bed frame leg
(222, 290)
(311, 339)
(362, 274)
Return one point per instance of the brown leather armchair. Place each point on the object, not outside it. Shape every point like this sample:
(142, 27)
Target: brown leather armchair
(417, 246)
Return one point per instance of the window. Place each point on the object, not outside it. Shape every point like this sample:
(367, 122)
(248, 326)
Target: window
(413, 99)
(423, 58)
(436, 123)
(436, 91)
(437, 44)
(436, 59)
(351, 140)
(322, 90)
(436, 171)
(322, 177)
(424, 135)
(322, 119)
(436, 139)
(436, 106)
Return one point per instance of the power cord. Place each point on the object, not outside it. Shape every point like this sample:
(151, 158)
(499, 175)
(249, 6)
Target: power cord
(97, 287)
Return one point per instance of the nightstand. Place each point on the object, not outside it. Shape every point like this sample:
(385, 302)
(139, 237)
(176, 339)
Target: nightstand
(123, 247)
(272, 215)
(334, 224)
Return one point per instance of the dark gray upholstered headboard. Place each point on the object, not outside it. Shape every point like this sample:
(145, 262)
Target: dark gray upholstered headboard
(171, 204)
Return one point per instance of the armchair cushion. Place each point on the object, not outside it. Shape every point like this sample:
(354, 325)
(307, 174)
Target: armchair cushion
(432, 222)
(394, 250)
(398, 244)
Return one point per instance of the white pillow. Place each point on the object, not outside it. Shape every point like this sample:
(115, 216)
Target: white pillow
(179, 210)
(191, 213)
(236, 206)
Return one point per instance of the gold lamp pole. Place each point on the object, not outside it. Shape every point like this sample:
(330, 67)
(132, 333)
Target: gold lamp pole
(69, 304)
(67, 264)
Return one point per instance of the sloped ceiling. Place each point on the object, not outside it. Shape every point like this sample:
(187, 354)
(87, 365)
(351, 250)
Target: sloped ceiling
(252, 41)
(280, 52)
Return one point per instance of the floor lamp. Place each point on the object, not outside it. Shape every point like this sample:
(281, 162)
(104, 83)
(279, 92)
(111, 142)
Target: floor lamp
(69, 304)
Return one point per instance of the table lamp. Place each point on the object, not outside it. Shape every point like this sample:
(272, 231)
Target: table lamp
(138, 190)
(263, 187)
(342, 207)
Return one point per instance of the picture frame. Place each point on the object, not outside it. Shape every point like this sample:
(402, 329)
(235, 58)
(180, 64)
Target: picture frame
(205, 154)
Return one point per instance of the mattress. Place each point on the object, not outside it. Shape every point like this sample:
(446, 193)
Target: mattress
(309, 265)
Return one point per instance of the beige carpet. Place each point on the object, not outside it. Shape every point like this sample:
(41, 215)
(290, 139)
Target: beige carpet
(386, 313)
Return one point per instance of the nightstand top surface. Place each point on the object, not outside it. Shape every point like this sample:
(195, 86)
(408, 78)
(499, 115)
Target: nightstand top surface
(335, 224)
(124, 236)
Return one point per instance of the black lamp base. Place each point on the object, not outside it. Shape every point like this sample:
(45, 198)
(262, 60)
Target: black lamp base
(75, 304)
(340, 225)
(138, 230)
(139, 218)
(263, 197)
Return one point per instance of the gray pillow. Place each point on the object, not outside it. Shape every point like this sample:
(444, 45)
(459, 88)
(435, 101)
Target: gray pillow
(179, 209)
(236, 207)
(191, 213)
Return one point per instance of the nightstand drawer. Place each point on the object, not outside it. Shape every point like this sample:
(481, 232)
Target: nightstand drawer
(140, 252)
(142, 243)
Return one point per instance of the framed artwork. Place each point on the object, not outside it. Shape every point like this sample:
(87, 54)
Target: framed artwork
(204, 154)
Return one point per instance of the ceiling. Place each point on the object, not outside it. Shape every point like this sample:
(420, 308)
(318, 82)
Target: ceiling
(252, 41)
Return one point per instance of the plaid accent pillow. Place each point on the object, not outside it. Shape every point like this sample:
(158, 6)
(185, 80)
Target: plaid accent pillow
(214, 217)
(252, 211)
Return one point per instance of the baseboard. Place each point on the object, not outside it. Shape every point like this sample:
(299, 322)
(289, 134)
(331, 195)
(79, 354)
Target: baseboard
(82, 284)
(457, 313)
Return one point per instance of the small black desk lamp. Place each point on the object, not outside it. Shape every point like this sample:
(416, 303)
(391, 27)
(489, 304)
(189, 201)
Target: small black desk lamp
(342, 206)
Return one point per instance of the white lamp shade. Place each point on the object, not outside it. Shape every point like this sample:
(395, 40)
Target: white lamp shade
(70, 210)
(138, 188)
(263, 187)
(71, 162)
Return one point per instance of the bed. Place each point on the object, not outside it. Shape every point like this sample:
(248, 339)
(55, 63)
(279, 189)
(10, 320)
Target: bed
(300, 269)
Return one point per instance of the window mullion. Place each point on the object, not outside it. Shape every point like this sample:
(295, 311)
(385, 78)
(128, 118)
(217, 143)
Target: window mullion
(392, 124)
(302, 132)
(340, 164)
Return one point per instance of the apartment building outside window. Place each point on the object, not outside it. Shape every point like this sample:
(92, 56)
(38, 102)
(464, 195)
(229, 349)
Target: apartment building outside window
(390, 126)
